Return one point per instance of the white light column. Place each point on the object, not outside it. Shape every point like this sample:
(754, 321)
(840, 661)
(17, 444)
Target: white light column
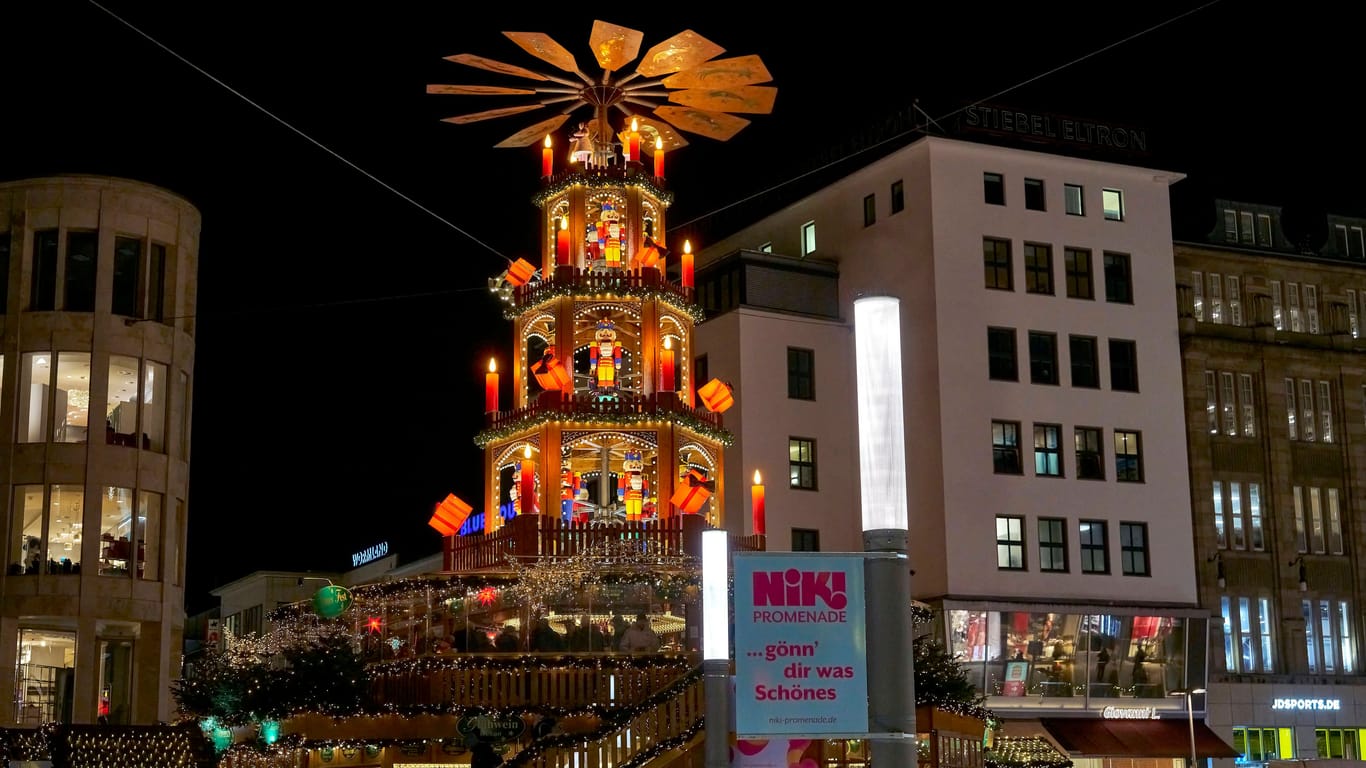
(716, 646)
(882, 485)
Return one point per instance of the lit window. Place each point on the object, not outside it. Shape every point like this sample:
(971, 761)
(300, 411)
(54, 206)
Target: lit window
(1260, 745)
(766, 247)
(1005, 447)
(1128, 456)
(801, 463)
(1248, 644)
(1336, 743)
(1072, 197)
(1198, 295)
(1048, 450)
(1112, 202)
(808, 238)
(1010, 543)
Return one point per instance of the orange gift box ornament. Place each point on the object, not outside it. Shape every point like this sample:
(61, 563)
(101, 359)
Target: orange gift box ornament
(691, 493)
(716, 396)
(450, 514)
(521, 272)
(550, 372)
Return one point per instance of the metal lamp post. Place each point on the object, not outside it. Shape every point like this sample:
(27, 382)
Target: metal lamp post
(1190, 716)
(882, 486)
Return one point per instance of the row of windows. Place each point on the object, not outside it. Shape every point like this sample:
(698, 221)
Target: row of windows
(1219, 299)
(1239, 518)
(1249, 641)
(1083, 354)
(1073, 196)
(898, 195)
(1053, 549)
(1230, 407)
(1086, 442)
(1350, 240)
(1260, 745)
(1077, 270)
(139, 284)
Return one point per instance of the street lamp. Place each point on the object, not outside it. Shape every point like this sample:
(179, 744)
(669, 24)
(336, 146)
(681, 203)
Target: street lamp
(1190, 715)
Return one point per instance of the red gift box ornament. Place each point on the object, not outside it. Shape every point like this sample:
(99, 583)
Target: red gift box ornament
(521, 272)
(550, 372)
(690, 498)
(716, 396)
(451, 513)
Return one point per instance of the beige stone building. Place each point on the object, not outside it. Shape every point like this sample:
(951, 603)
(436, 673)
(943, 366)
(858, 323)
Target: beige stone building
(1275, 378)
(97, 359)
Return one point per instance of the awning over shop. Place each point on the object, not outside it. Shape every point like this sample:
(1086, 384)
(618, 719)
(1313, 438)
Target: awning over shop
(1096, 737)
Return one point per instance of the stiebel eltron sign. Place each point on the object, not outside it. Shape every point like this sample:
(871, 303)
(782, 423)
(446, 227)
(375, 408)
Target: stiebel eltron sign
(800, 657)
(1054, 128)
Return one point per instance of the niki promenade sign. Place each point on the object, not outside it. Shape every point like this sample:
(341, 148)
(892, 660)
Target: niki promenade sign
(800, 656)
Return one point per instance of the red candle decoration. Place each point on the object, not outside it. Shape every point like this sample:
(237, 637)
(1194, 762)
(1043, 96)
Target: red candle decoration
(687, 264)
(633, 141)
(666, 367)
(491, 388)
(527, 491)
(757, 496)
(546, 165)
(562, 242)
(659, 157)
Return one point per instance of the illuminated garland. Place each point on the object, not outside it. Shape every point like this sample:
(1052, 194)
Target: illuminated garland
(103, 746)
(631, 177)
(1023, 752)
(546, 291)
(681, 418)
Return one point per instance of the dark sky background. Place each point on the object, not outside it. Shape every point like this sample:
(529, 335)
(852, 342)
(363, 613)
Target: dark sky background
(343, 331)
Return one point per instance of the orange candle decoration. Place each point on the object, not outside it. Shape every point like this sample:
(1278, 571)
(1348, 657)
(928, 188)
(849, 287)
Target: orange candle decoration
(546, 165)
(659, 157)
(666, 367)
(562, 242)
(687, 264)
(633, 141)
(491, 388)
(757, 496)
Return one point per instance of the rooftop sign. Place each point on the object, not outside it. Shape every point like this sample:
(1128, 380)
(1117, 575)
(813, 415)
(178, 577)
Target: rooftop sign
(1054, 129)
(370, 553)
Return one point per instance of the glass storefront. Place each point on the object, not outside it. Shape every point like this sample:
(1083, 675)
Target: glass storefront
(1010, 655)
(44, 677)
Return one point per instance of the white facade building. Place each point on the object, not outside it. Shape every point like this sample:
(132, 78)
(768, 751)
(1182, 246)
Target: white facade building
(1049, 489)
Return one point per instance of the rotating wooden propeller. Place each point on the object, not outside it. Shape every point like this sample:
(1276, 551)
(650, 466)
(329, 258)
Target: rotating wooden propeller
(683, 71)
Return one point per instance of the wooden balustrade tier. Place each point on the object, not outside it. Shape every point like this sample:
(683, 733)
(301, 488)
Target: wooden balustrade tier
(587, 406)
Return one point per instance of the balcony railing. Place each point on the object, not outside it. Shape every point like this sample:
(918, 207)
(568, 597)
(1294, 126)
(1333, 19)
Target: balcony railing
(621, 281)
(587, 405)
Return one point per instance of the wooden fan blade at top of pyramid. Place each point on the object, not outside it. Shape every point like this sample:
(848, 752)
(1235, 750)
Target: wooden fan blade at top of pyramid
(721, 73)
(684, 50)
(713, 125)
(653, 128)
(614, 46)
(480, 62)
(752, 99)
(532, 133)
(541, 46)
(480, 90)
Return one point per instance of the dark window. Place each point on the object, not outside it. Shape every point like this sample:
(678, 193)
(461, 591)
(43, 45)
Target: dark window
(1053, 544)
(1072, 197)
(1119, 286)
(81, 252)
(1038, 261)
(1133, 549)
(1123, 365)
(1043, 358)
(1001, 354)
(127, 259)
(1048, 450)
(1005, 447)
(801, 374)
(156, 284)
(806, 540)
(1090, 453)
(869, 210)
(996, 257)
(700, 375)
(1077, 265)
(1034, 194)
(43, 290)
(1085, 364)
(1010, 543)
(993, 189)
(1128, 456)
(801, 463)
(1095, 553)
(898, 196)
(4, 272)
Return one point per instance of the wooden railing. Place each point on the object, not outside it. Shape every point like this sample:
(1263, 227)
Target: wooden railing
(538, 536)
(613, 280)
(569, 687)
(579, 405)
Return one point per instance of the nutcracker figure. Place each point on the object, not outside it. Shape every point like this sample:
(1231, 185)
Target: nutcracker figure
(570, 482)
(604, 357)
(632, 491)
(609, 235)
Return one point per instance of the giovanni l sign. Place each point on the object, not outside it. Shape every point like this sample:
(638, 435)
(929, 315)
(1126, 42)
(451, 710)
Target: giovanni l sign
(800, 661)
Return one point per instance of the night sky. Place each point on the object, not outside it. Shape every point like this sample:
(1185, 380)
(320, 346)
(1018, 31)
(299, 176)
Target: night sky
(343, 331)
